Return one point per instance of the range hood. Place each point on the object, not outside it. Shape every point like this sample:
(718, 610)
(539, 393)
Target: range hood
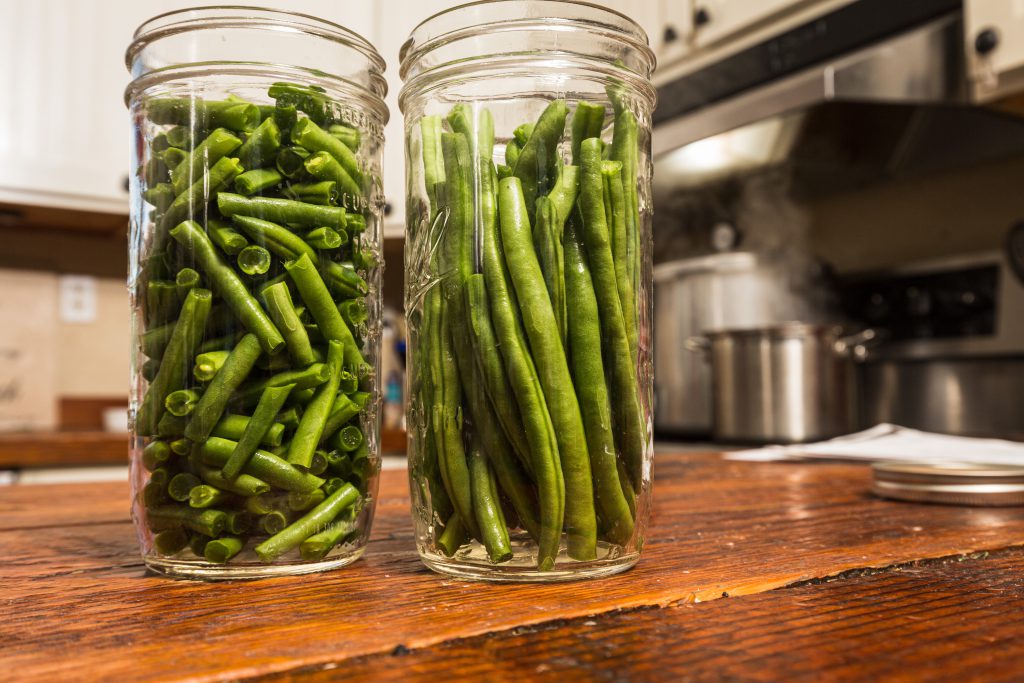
(897, 104)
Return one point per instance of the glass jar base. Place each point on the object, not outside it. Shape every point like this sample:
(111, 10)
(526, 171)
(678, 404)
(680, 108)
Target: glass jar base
(471, 562)
(208, 571)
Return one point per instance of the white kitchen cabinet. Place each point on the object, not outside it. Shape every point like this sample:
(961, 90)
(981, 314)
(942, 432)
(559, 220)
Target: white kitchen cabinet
(994, 45)
(64, 136)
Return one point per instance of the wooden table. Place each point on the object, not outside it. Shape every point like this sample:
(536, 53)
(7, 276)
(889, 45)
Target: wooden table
(755, 572)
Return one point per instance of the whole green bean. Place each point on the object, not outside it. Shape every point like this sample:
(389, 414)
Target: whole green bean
(311, 426)
(630, 423)
(587, 122)
(282, 311)
(257, 180)
(552, 368)
(547, 243)
(588, 373)
(487, 506)
(538, 162)
(615, 200)
(176, 360)
(433, 161)
(522, 376)
(227, 283)
(312, 522)
(564, 193)
(625, 148)
(281, 210)
(219, 143)
(261, 146)
(261, 422)
(220, 390)
(262, 465)
(323, 309)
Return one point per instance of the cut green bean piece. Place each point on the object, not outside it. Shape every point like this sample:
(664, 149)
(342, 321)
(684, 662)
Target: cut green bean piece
(259, 424)
(181, 484)
(324, 192)
(325, 239)
(318, 300)
(215, 399)
(281, 210)
(283, 242)
(254, 260)
(160, 195)
(318, 545)
(197, 113)
(343, 410)
(221, 550)
(155, 454)
(206, 496)
(170, 541)
(181, 402)
(192, 237)
(312, 522)
(181, 446)
(308, 99)
(233, 426)
(306, 378)
(348, 135)
(262, 465)
(291, 161)
(242, 485)
(209, 364)
(349, 438)
(325, 167)
(261, 146)
(257, 180)
(225, 237)
(218, 144)
(312, 137)
(185, 280)
(273, 522)
(314, 418)
(282, 312)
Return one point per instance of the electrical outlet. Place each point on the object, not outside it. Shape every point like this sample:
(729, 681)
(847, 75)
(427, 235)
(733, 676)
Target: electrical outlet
(78, 299)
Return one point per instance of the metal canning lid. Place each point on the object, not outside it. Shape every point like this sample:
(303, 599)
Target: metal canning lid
(950, 483)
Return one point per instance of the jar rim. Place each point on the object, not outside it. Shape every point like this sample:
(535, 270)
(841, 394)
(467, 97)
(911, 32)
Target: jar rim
(208, 17)
(428, 35)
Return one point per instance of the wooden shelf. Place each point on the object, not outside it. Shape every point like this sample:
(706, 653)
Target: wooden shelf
(63, 449)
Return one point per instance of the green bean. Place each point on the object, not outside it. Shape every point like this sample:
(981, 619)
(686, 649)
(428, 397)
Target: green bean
(160, 195)
(308, 377)
(242, 485)
(630, 423)
(209, 364)
(323, 309)
(291, 161)
(179, 136)
(454, 536)
(615, 200)
(185, 280)
(289, 417)
(154, 454)
(433, 161)
(312, 522)
(170, 541)
(154, 171)
(343, 410)
(311, 426)
(171, 426)
(282, 311)
(522, 376)
(181, 402)
(180, 485)
(218, 144)
(261, 146)
(318, 545)
(487, 506)
(325, 239)
(274, 521)
(538, 162)
(350, 136)
(180, 446)
(318, 464)
(564, 193)
(326, 168)
(225, 237)
(587, 122)
(239, 522)
(233, 426)
(355, 223)
(342, 279)
(305, 132)
(206, 496)
(523, 132)
(349, 438)
(552, 368)
(197, 113)
(588, 374)
(283, 242)
(259, 425)
(254, 260)
(547, 242)
(257, 180)
(488, 437)
(221, 550)
(280, 210)
(307, 99)
(176, 359)
(262, 465)
(512, 151)
(173, 156)
(324, 192)
(625, 149)
(162, 302)
(220, 390)
(300, 502)
(191, 203)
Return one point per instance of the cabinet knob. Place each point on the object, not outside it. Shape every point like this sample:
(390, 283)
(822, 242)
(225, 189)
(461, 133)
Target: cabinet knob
(701, 16)
(125, 183)
(670, 35)
(387, 208)
(986, 41)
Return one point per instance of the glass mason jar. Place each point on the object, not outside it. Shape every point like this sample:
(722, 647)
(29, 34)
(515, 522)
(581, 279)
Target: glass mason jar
(528, 289)
(254, 279)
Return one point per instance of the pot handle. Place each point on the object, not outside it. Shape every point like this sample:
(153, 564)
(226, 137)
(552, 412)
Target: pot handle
(697, 344)
(856, 345)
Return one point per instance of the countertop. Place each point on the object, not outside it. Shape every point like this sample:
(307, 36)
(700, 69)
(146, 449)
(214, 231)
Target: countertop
(751, 571)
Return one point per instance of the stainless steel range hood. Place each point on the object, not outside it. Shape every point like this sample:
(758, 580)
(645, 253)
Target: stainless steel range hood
(921, 66)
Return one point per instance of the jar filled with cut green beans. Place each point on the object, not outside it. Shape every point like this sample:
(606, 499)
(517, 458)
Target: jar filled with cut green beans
(254, 276)
(528, 289)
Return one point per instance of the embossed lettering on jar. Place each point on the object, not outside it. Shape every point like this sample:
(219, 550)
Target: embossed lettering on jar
(254, 279)
(528, 283)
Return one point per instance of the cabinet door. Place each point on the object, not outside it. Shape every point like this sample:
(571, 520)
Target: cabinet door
(715, 20)
(994, 37)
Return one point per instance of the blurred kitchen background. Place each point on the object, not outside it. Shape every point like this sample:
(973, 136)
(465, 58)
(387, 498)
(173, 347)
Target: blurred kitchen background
(839, 187)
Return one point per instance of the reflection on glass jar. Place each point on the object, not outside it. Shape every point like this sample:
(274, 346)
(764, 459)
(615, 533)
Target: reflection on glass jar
(528, 284)
(255, 278)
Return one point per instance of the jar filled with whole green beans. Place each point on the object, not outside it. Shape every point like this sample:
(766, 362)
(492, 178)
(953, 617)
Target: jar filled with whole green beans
(254, 276)
(528, 289)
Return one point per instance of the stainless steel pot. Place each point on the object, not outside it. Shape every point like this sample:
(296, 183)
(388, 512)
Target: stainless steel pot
(786, 383)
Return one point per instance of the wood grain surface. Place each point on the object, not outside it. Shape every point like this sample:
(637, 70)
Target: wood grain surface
(79, 605)
(63, 449)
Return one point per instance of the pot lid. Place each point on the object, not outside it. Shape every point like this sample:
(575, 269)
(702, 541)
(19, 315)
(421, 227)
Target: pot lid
(951, 483)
